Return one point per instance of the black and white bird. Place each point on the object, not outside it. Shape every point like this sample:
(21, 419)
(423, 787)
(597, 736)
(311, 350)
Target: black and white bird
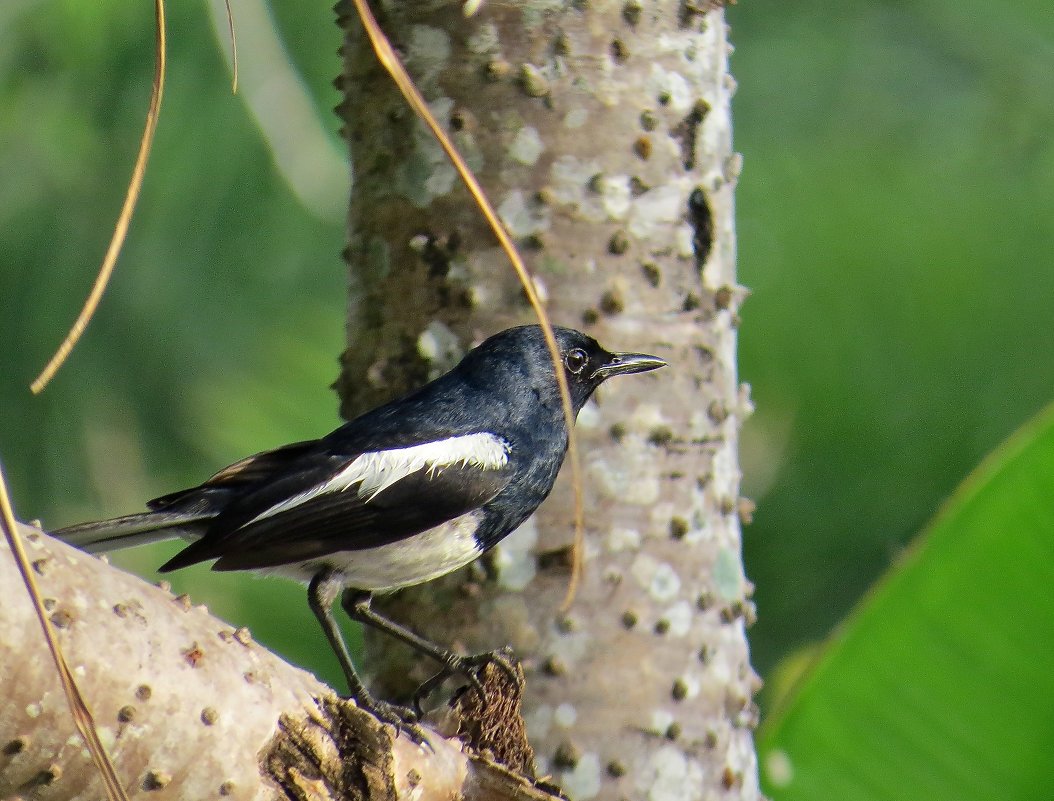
(398, 496)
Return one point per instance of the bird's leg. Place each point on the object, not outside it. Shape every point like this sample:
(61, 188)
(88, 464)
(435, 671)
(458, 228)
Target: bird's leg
(321, 593)
(357, 604)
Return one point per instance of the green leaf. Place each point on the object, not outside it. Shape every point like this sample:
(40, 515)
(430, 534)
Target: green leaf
(940, 685)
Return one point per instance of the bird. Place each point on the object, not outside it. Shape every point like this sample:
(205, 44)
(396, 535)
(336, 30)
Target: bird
(398, 496)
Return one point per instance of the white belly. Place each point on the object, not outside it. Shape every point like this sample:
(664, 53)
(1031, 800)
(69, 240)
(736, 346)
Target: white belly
(415, 560)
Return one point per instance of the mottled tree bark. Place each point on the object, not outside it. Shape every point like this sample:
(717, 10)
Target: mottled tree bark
(189, 708)
(602, 133)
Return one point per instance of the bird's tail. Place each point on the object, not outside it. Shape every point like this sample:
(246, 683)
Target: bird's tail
(138, 529)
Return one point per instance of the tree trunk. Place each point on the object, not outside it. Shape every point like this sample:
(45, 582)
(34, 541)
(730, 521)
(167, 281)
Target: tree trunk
(602, 133)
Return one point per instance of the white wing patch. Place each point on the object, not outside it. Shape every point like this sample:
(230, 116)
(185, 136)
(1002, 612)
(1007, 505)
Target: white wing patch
(375, 471)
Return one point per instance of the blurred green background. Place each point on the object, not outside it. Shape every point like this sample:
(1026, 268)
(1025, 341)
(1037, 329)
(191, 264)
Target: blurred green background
(895, 220)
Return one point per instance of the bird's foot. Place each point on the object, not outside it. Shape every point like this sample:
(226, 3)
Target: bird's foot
(471, 667)
(404, 719)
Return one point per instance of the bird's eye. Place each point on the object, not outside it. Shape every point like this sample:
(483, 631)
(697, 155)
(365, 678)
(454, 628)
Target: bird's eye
(576, 360)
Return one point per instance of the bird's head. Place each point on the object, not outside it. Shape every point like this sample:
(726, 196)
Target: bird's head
(585, 363)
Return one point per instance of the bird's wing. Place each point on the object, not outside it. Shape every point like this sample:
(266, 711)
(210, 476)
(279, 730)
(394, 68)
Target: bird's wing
(256, 469)
(347, 504)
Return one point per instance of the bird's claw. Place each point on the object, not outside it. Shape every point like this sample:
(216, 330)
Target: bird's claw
(470, 667)
(403, 719)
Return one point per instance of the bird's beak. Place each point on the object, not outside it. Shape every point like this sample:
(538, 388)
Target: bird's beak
(626, 363)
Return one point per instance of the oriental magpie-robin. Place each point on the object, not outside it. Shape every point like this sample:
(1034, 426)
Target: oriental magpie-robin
(398, 496)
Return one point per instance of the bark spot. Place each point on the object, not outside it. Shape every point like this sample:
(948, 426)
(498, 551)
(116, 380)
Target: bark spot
(555, 666)
(566, 755)
(679, 690)
(156, 780)
(661, 436)
(611, 302)
(497, 69)
(618, 244)
(642, 147)
(687, 130)
(690, 10)
(701, 219)
(652, 274)
(731, 778)
(678, 527)
(15, 746)
(532, 81)
(48, 776)
(194, 654)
